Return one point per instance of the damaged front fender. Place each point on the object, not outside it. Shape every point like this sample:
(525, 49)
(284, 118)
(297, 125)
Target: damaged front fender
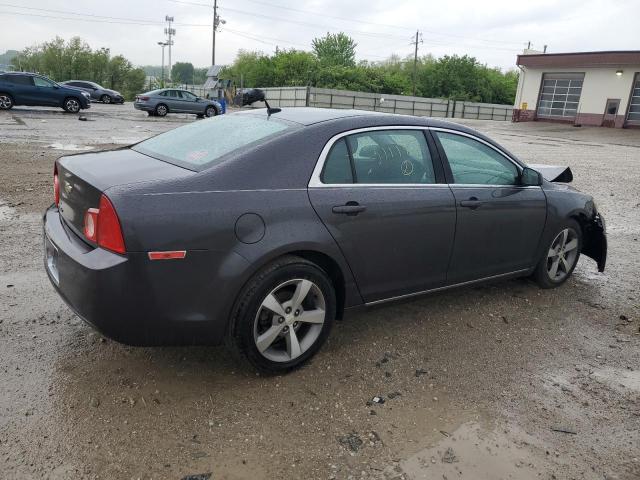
(594, 243)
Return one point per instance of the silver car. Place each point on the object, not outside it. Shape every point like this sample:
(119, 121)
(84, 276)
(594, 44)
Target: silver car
(172, 100)
(98, 93)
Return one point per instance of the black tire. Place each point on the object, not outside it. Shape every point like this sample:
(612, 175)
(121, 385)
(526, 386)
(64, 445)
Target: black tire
(161, 110)
(243, 328)
(105, 98)
(542, 274)
(71, 105)
(210, 111)
(6, 101)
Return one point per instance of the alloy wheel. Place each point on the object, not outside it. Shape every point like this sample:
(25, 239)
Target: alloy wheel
(210, 112)
(562, 255)
(289, 320)
(161, 110)
(72, 105)
(106, 99)
(5, 102)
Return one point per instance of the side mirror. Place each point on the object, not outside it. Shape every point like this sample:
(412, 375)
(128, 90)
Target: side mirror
(530, 177)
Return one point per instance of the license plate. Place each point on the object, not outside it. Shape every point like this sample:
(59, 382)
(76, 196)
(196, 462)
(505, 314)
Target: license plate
(51, 254)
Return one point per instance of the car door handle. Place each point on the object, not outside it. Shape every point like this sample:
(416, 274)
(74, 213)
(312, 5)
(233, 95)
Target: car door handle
(350, 208)
(472, 203)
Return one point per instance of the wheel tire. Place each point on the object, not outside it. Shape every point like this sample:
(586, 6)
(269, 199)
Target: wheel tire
(161, 110)
(249, 315)
(544, 272)
(210, 111)
(105, 98)
(71, 105)
(6, 101)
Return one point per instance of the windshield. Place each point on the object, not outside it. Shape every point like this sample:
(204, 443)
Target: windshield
(203, 143)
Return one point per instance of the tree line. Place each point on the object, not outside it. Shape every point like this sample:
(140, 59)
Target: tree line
(332, 64)
(75, 60)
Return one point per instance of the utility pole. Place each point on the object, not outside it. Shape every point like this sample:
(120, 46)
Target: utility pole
(170, 32)
(415, 59)
(217, 21)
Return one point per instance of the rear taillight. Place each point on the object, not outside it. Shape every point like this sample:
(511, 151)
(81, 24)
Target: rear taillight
(143, 99)
(56, 185)
(101, 226)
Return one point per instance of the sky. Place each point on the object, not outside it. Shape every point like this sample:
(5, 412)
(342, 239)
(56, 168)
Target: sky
(493, 31)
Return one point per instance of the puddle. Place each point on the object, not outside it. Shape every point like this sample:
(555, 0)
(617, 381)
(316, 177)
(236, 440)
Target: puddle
(7, 212)
(474, 453)
(618, 379)
(70, 147)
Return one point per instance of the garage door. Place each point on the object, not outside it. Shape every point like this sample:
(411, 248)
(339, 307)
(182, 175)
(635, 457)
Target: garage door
(633, 117)
(560, 95)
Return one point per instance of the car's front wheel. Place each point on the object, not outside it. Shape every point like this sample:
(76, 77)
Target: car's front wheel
(161, 110)
(283, 315)
(6, 102)
(560, 257)
(71, 105)
(105, 98)
(211, 111)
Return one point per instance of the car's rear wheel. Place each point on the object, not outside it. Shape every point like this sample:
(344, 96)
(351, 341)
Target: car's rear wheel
(161, 110)
(105, 98)
(560, 257)
(71, 105)
(283, 315)
(211, 111)
(6, 102)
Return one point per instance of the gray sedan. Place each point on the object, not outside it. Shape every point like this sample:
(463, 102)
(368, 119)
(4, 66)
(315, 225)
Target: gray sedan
(261, 228)
(171, 100)
(97, 92)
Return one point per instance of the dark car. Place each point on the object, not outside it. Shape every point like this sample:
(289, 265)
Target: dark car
(19, 88)
(96, 92)
(172, 100)
(262, 229)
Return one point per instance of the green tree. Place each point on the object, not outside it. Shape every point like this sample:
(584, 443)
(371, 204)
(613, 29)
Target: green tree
(335, 49)
(182, 72)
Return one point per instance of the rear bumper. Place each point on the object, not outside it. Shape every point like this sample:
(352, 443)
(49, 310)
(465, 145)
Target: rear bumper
(142, 106)
(136, 301)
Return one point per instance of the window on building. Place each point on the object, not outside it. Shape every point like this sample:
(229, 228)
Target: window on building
(560, 95)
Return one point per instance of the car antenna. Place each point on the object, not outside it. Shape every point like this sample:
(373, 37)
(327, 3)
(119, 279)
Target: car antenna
(270, 109)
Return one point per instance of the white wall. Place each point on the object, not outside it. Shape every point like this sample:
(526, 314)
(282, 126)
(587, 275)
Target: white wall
(599, 85)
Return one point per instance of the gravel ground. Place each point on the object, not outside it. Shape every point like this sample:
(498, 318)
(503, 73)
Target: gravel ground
(497, 381)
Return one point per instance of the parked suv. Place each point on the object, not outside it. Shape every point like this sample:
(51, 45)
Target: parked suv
(97, 92)
(19, 88)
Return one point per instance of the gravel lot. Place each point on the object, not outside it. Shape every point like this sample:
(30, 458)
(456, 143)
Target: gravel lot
(498, 381)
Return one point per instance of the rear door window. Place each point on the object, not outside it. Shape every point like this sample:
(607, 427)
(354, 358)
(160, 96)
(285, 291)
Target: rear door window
(199, 145)
(21, 79)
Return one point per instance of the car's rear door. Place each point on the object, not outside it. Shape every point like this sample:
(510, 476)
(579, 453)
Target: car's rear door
(499, 221)
(22, 88)
(174, 101)
(382, 195)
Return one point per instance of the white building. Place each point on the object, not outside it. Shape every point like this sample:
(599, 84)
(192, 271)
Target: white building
(582, 88)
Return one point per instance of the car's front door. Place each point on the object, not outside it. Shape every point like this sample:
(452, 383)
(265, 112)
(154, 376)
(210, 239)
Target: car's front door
(381, 193)
(46, 92)
(188, 102)
(499, 221)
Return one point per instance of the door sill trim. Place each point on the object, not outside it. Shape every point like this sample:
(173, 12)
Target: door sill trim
(446, 287)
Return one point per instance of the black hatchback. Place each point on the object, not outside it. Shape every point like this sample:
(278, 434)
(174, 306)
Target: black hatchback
(18, 88)
(261, 229)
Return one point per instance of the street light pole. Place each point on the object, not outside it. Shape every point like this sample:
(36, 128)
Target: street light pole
(162, 44)
(215, 21)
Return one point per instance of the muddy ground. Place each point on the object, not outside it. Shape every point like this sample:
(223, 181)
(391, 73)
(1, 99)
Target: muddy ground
(499, 381)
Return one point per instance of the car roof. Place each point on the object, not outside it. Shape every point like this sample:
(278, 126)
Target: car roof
(308, 116)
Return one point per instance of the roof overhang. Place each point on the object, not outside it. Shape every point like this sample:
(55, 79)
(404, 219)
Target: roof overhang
(580, 59)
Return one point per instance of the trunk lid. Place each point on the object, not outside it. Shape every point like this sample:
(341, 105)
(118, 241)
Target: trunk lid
(83, 178)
